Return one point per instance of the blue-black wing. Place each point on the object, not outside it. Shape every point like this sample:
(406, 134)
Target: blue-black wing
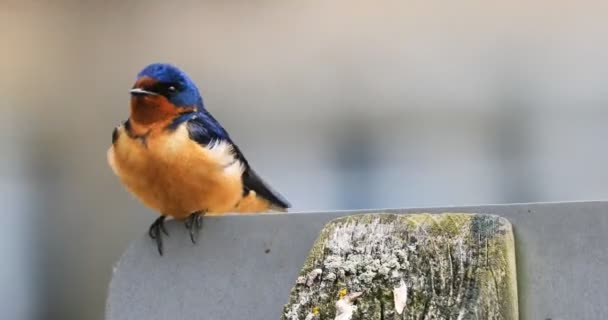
(204, 129)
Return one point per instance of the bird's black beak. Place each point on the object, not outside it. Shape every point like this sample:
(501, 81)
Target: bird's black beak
(142, 92)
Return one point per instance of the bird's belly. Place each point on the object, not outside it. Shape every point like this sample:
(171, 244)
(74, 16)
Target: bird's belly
(175, 175)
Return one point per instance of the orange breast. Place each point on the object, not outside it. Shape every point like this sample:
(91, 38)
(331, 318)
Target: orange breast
(175, 175)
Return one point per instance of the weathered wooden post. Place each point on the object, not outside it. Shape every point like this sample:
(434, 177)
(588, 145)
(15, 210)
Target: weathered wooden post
(421, 266)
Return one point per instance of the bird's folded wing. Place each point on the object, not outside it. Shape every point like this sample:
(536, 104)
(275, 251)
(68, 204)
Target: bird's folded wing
(204, 129)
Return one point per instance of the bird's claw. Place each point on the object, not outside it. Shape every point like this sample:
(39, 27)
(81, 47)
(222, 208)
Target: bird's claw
(156, 228)
(194, 223)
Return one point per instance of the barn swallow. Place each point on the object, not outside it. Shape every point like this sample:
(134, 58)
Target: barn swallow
(177, 159)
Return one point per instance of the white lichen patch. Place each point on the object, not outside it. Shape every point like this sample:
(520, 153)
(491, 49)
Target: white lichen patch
(312, 276)
(312, 316)
(345, 307)
(400, 297)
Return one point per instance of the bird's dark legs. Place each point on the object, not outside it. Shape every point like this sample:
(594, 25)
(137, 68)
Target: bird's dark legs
(156, 228)
(194, 223)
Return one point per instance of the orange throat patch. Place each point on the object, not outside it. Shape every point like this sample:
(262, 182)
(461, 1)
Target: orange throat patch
(149, 112)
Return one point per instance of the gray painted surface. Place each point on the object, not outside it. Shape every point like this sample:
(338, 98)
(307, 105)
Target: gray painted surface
(562, 258)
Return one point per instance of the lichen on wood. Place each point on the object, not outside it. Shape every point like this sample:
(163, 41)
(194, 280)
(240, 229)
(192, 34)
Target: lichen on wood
(397, 266)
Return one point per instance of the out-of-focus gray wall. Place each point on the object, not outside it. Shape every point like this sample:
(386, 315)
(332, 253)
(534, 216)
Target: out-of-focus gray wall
(339, 104)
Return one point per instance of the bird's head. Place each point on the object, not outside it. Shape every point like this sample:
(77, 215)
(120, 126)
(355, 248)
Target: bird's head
(162, 90)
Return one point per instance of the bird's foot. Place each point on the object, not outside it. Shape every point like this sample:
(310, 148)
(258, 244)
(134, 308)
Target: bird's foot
(156, 230)
(194, 223)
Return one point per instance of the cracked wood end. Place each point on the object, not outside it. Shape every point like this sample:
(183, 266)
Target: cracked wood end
(448, 266)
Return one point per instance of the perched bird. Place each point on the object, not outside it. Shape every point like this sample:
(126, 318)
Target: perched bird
(178, 160)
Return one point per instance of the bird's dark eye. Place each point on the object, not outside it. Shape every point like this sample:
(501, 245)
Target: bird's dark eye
(168, 88)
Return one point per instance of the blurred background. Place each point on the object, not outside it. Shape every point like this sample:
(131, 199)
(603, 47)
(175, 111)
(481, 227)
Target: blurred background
(339, 104)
